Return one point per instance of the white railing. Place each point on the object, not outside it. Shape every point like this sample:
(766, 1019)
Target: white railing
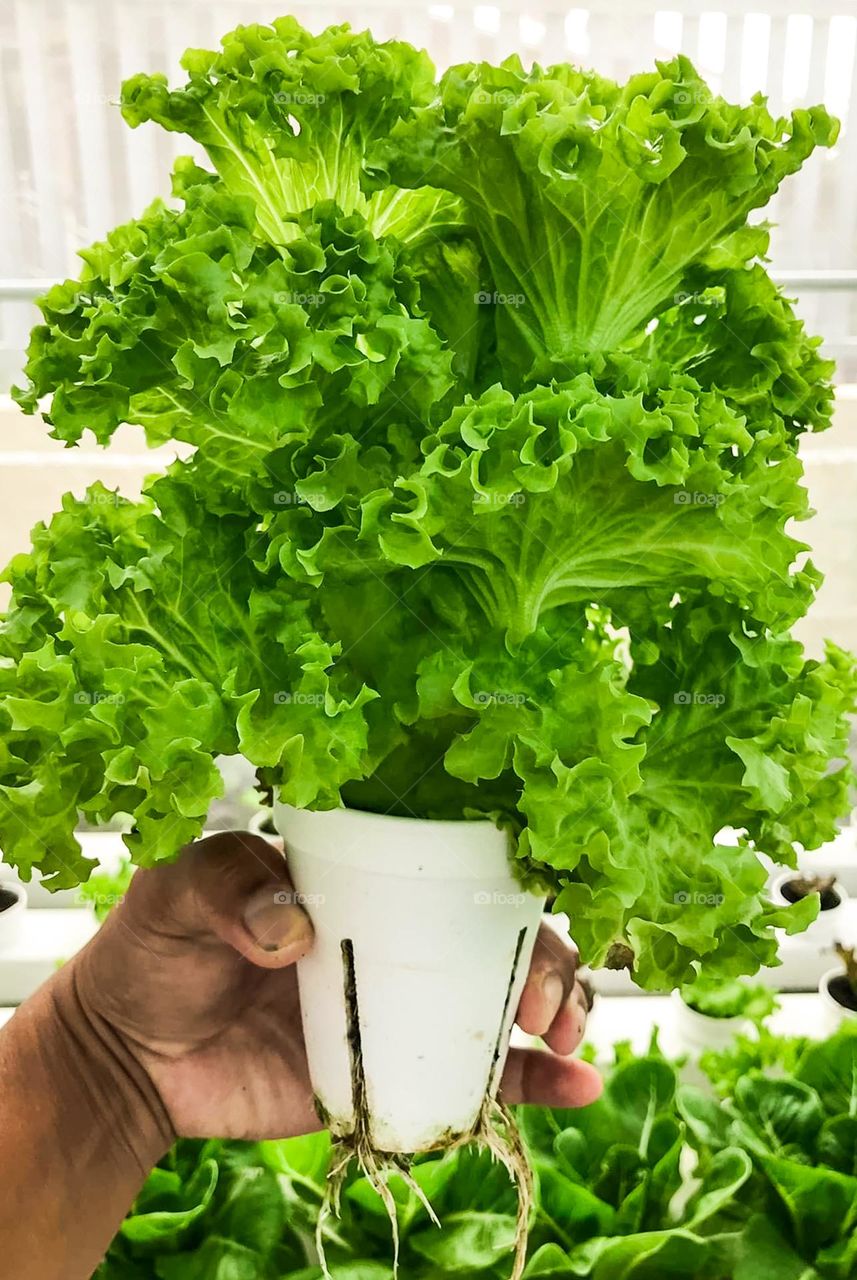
(70, 168)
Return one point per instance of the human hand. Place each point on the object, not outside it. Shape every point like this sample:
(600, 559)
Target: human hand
(194, 973)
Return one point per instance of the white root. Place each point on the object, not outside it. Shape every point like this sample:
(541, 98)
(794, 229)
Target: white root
(495, 1130)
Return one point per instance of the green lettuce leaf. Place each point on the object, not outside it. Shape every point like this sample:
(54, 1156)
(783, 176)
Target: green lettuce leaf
(593, 200)
(147, 670)
(286, 118)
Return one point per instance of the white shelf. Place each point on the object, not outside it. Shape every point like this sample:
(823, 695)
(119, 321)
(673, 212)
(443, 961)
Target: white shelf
(633, 1018)
(47, 940)
(58, 925)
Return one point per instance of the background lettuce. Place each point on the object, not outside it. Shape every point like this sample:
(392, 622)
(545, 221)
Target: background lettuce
(655, 1179)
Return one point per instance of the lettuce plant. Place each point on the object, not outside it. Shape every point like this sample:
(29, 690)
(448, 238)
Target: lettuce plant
(730, 999)
(209, 1211)
(606, 1182)
(656, 1179)
(487, 413)
(799, 1128)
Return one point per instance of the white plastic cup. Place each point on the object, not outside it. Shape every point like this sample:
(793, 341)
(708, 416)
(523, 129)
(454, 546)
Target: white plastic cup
(437, 934)
(832, 1012)
(12, 918)
(827, 927)
(700, 1031)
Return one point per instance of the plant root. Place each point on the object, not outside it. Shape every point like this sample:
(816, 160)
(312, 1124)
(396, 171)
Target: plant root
(495, 1131)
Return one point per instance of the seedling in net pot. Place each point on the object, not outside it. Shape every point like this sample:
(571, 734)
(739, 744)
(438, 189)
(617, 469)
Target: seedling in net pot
(830, 896)
(799, 887)
(842, 987)
(709, 1014)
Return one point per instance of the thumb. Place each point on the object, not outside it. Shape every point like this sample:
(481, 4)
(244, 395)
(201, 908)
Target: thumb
(235, 887)
(279, 926)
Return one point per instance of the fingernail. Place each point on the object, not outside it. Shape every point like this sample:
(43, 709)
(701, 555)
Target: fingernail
(275, 920)
(553, 991)
(582, 998)
(587, 991)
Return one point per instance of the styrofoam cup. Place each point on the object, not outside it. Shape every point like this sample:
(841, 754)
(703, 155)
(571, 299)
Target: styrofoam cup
(429, 920)
(827, 927)
(699, 1031)
(12, 918)
(832, 1012)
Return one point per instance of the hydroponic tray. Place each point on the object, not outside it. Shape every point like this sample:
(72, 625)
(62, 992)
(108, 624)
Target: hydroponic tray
(47, 939)
(633, 1018)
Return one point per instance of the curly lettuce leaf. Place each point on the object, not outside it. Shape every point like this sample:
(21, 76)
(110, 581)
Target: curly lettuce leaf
(186, 324)
(565, 496)
(592, 200)
(158, 647)
(287, 117)
(732, 330)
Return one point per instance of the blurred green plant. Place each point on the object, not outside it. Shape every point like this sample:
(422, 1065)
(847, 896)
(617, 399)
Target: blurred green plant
(657, 1179)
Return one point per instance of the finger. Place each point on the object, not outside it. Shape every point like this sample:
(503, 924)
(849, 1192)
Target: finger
(234, 886)
(568, 1027)
(280, 928)
(534, 1076)
(549, 982)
